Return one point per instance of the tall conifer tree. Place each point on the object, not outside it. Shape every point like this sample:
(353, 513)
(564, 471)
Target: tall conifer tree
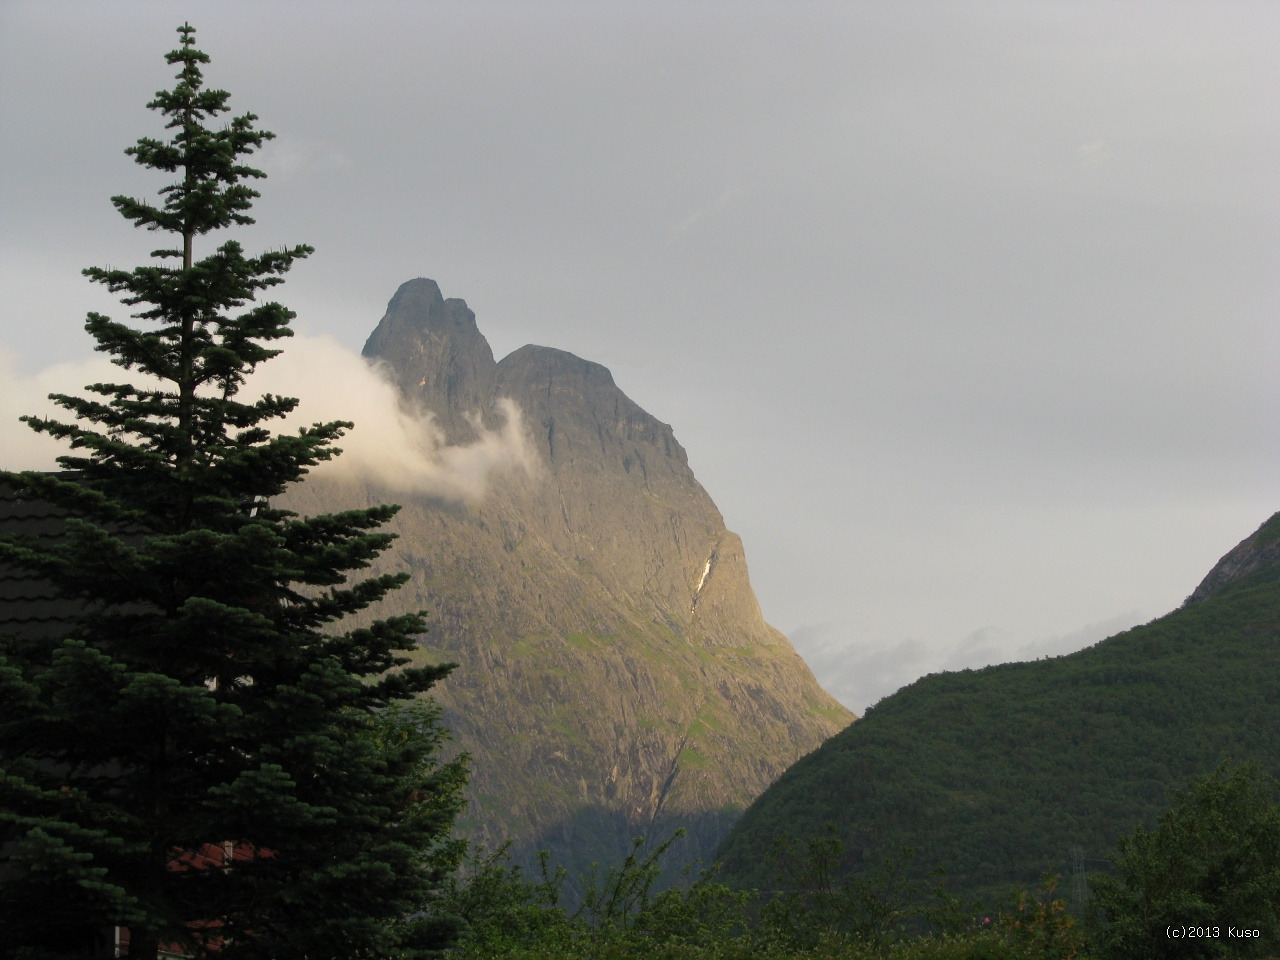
(201, 698)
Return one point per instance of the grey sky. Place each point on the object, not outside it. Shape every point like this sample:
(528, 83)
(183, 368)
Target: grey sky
(965, 312)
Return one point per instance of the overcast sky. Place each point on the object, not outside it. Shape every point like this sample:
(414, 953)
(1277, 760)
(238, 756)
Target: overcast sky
(966, 313)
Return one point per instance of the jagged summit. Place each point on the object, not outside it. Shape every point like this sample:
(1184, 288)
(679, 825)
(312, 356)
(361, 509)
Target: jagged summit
(551, 362)
(574, 408)
(546, 376)
(583, 412)
(617, 677)
(437, 354)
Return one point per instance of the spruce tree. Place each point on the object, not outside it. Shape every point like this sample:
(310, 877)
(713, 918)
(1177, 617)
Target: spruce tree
(201, 696)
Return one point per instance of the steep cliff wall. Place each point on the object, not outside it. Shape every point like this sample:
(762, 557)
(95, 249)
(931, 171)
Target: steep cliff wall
(616, 676)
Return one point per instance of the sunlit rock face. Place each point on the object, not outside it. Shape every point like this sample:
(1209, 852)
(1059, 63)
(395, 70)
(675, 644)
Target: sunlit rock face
(616, 677)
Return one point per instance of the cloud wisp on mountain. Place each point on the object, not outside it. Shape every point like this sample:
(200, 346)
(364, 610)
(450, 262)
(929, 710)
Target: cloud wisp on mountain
(392, 445)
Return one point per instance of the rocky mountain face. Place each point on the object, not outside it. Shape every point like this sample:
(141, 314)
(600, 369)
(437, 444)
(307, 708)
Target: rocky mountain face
(1256, 551)
(616, 678)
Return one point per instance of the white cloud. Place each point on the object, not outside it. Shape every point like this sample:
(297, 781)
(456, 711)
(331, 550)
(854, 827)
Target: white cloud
(27, 395)
(861, 675)
(287, 156)
(392, 444)
(1095, 153)
(728, 196)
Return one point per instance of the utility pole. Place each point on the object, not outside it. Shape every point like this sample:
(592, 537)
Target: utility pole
(1077, 879)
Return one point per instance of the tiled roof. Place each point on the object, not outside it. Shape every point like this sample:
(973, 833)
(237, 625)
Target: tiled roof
(30, 605)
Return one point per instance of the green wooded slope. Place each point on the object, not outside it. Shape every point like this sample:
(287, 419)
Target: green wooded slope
(998, 773)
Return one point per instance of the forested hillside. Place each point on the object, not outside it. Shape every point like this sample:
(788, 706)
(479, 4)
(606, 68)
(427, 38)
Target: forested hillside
(1002, 773)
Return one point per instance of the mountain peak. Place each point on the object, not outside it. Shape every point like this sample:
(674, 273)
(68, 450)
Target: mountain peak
(551, 362)
(436, 354)
(617, 677)
(420, 303)
(421, 289)
(583, 412)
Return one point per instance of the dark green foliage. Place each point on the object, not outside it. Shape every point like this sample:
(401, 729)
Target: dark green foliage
(502, 910)
(1210, 868)
(511, 918)
(620, 908)
(997, 774)
(816, 899)
(817, 904)
(198, 693)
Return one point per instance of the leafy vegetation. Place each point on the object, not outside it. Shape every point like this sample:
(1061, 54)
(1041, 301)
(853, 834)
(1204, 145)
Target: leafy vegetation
(1210, 870)
(1215, 854)
(998, 774)
(623, 914)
